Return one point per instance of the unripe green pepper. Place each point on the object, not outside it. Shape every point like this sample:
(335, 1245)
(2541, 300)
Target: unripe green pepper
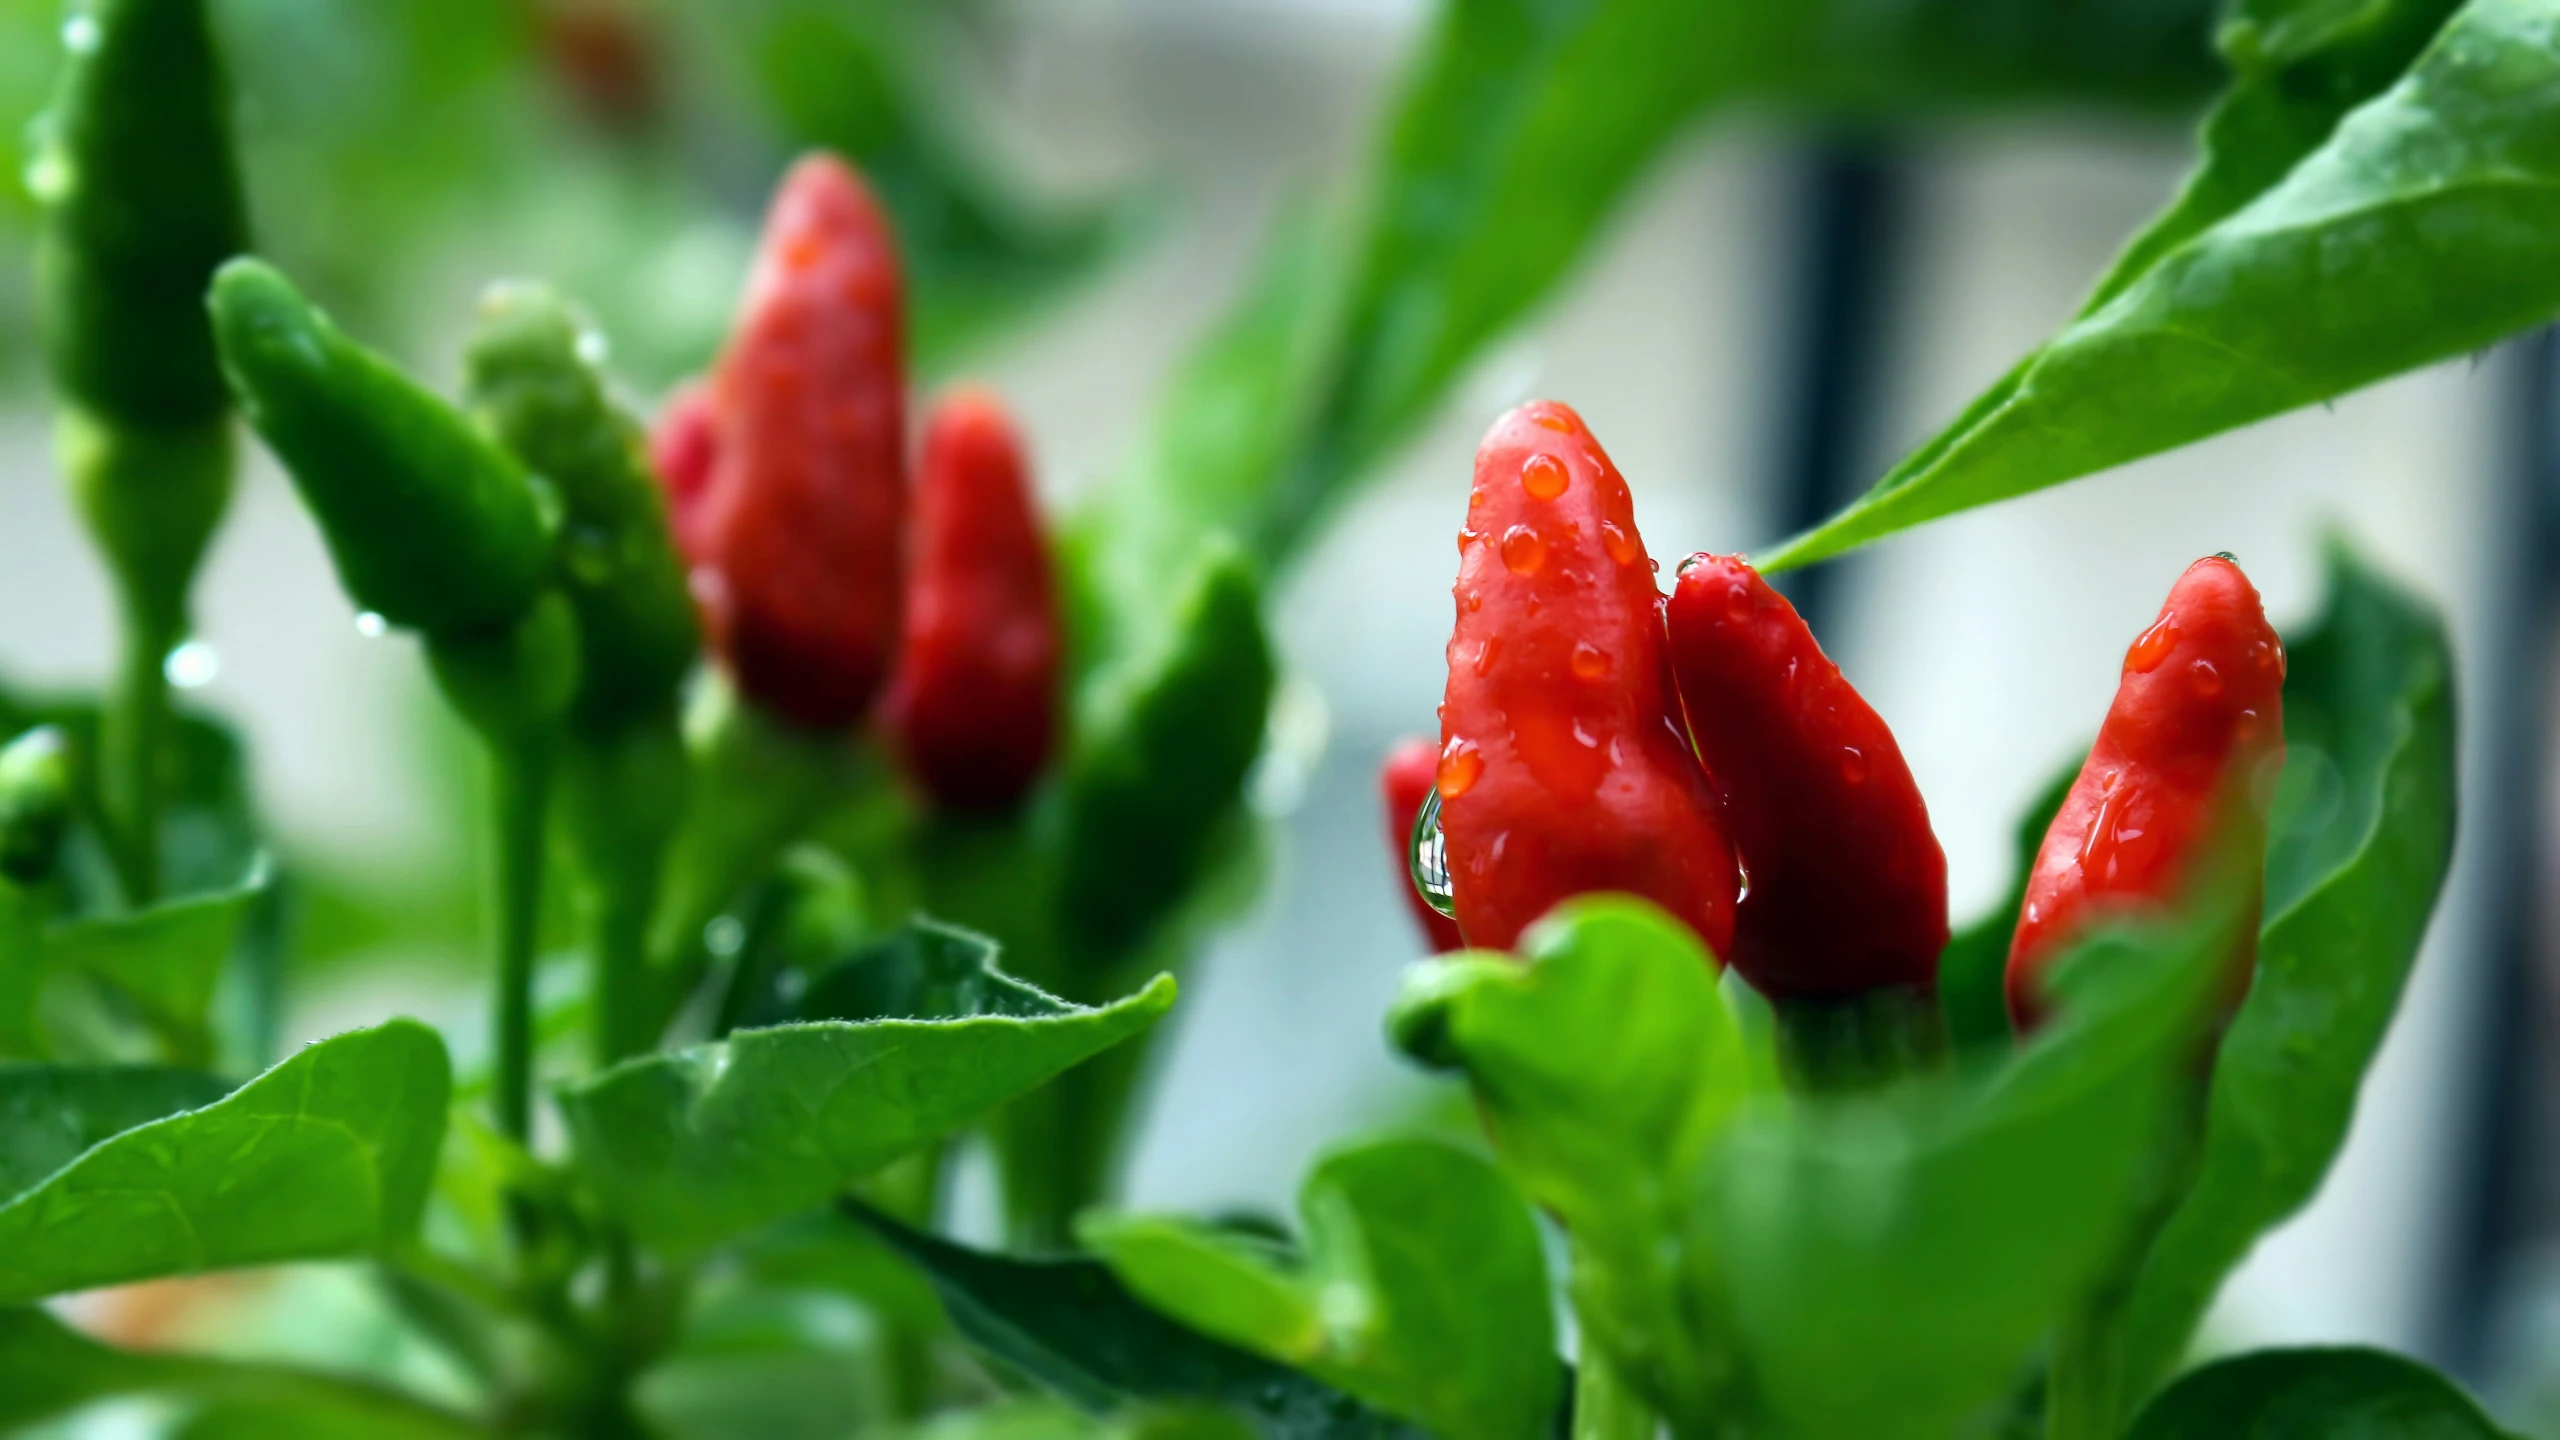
(35, 804)
(432, 526)
(134, 169)
(530, 385)
(1161, 760)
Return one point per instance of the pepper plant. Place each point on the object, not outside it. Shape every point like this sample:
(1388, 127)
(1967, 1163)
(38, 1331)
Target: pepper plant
(890, 809)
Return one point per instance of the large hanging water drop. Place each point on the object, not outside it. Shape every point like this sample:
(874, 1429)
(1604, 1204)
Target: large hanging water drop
(1428, 859)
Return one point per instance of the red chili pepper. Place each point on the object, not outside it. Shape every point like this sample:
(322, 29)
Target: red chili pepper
(802, 528)
(2200, 707)
(1563, 768)
(974, 708)
(1404, 783)
(1846, 888)
(684, 447)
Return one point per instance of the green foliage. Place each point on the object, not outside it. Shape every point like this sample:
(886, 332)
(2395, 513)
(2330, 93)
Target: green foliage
(2429, 204)
(2361, 836)
(1884, 1265)
(165, 959)
(1608, 1067)
(1423, 1288)
(1973, 970)
(328, 1154)
(432, 526)
(694, 1146)
(48, 1369)
(1070, 1326)
(51, 1114)
(2301, 1394)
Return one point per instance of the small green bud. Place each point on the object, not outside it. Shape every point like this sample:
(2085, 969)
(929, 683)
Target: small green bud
(35, 804)
(432, 527)
(535, 383)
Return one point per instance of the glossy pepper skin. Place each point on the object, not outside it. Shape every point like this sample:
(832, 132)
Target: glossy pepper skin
(1563, 768)
(973, 712)
(1848, 887)
(2199, 710)
(432, 525)
(133, 165)
(801, 528)
(682, 447)
(529, 385)
(1404, 783)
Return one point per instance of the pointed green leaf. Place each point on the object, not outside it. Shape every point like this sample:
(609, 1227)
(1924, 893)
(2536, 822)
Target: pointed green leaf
(1423, 1290)
(327, 1154)
(49, 1114)
(166, 958)
(697, 1145)
(1606, 1069)
(2315, 1394)
(2421, 227)
(1073, 1328)
(2359, 842)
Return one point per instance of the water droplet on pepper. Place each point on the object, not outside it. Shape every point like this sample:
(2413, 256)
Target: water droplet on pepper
(1523, 553)
(1460, 764)
(2152, 646)
(1544, 477)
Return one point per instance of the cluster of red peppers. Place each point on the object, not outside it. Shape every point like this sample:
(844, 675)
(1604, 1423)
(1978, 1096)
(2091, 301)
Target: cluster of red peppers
(1700, 750)
(833, 592)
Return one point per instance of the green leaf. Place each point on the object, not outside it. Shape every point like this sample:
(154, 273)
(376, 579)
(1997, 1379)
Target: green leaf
(2315, 1394)
(48, 1369)
(1072, 1327)
(1889, 1265)
(1423, 1290)
(2421, 227)
(697, 1145)
(49, 1114)
(1606, 1069)
(2360, 838)
(327, 1154)
(168, 958)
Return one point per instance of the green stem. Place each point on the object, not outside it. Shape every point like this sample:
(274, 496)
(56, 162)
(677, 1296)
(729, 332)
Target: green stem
(522, 787)
(134, 735)
(1603, 1407)
(1860, 1041)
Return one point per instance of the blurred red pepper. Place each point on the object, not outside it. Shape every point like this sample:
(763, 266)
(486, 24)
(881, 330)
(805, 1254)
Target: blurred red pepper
(1846, 888)
(1404, 783)
(974, 708)
(2200, 708)
(798, 537)
(1563, 765)
(682, 448)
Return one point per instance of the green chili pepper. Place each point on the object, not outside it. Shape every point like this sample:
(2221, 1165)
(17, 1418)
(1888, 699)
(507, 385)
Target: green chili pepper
(432, 526)
(133, 167)
(1161, 761)
(530, 385)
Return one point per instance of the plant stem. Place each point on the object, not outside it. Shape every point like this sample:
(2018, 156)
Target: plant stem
(522, 778)
(133, 734)
(1603, 1407)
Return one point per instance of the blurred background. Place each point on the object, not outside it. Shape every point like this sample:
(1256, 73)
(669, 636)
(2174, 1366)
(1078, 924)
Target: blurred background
(1789, 299)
